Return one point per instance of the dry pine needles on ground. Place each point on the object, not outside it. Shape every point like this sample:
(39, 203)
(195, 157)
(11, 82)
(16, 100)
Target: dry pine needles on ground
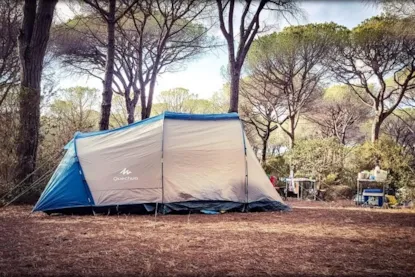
(315, 239)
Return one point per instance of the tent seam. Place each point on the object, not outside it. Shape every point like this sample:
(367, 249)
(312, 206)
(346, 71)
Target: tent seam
(81, 172)
(246, 162)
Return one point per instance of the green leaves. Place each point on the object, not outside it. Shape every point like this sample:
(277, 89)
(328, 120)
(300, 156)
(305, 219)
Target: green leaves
(317, 158)
(295, 39)
(391, 157)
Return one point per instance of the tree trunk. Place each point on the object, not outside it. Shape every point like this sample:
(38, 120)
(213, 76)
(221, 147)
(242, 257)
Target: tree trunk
(143, 102)
(292, 132)
(130, 110)
(292, 139)
(109, 69)
(150, 96)
(377, 122)
(234, 90)
(130, 118)
(33, 39)
(264, 150)
(343, 139)
(131, 105)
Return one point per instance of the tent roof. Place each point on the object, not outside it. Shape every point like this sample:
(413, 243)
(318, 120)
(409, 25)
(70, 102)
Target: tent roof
(171, 115)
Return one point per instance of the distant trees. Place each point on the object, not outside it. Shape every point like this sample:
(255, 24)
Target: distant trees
(111, 15)
(338, 114)
(400, 127)
(182, 101)
(321, 159)
(10, 20)
(9, 126)
(376, 60)
(400, 8)
(32, 42)
(290, 65)
(249, 26)
(74, 109)
(258, 109)
(177, 100)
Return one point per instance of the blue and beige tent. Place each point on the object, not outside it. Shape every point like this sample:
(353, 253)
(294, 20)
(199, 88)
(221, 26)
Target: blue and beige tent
(172, 162)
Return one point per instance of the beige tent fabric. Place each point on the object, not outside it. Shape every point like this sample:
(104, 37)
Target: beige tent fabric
(203, 160)
(259, 186)
(173, 160)
(123, 167)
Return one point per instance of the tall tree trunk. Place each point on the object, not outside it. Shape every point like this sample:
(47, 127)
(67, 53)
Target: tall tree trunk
(130, 118)
(130, 109)
(377, 122)
(150, 96)
(264, 150)
(292, 139)
(234, 90)
(131, 105)
(109, 69)
(143, 102)
(343, 139)
(292, 132)
(33, 39)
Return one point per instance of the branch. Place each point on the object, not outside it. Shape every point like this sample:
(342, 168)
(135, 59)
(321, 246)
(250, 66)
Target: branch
(97, 7)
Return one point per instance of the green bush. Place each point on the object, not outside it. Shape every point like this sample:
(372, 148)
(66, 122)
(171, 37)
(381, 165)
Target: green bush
(389, 156)
(277, 166)
(321, 159)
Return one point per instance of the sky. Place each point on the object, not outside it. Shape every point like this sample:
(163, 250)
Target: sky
(203, 75)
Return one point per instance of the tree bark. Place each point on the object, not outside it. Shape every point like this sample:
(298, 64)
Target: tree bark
(130, 109)
(33, 39)
(377, 122)
(131, 104)
(149, 104)
(292, 131)
(264, 150)
(143, 103)
(109, 69)
(234, 93)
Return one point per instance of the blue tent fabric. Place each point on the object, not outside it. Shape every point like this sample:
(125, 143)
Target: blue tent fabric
(267, 206)
(184, 116)
(66, 188)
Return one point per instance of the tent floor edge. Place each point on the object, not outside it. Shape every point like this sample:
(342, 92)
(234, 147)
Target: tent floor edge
(175, 208)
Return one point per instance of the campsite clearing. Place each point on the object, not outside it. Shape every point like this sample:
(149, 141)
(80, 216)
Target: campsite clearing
(314, 239)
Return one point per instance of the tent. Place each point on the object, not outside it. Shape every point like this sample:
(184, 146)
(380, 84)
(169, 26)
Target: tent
(171, 162)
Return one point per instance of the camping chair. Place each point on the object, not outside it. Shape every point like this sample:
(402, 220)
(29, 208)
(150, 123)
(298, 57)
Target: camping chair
(390, 201)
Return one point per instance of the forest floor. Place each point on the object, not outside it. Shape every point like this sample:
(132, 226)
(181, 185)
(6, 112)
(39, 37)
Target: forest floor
(314, 239)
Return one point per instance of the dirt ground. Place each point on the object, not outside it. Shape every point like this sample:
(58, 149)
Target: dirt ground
(314, 239)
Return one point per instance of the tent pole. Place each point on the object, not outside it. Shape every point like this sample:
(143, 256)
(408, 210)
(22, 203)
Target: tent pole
(81, 172)
(246, 168)
(162, 159)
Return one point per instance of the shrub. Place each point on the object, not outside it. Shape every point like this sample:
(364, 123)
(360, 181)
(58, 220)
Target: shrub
(390, 156)
(277, 166)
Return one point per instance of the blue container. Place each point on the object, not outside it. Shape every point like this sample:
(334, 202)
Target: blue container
(373, 197)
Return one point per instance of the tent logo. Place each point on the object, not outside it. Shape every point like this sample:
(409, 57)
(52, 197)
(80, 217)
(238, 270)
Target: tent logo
(125, 171)
(124, 176)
